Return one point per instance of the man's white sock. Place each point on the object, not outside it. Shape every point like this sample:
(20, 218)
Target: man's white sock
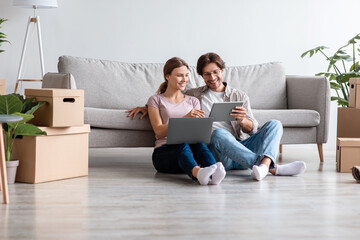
(259, 172)
(219, 174)
(204, 174)
(294, 168)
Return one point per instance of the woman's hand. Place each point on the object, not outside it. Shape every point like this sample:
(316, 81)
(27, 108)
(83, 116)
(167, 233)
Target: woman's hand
(134, 111)
(195, 113)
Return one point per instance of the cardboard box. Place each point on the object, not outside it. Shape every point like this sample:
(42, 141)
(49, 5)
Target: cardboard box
(347, 154)
(2, 87)
(63, 107)
(62, 154)
(348, 123)
(354, 96)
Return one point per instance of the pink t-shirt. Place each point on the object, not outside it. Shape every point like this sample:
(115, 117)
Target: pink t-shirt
(169, 109)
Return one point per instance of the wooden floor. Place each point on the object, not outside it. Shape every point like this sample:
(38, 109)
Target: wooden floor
(124, 198)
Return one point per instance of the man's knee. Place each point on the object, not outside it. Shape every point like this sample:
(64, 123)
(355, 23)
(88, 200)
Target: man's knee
(275, 125)
(219, 134)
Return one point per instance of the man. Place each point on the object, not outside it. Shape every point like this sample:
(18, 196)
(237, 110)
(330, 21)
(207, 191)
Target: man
(237, 144)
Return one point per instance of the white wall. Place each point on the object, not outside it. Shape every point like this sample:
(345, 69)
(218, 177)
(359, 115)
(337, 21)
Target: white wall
(242, 31)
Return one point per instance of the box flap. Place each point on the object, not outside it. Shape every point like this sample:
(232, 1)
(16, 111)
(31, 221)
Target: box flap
(51, 131)
(354, 81)
(54, 92)
(348, 142)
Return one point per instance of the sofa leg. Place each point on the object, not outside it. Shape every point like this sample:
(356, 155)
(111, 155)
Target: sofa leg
(321, 154)
(280, 148)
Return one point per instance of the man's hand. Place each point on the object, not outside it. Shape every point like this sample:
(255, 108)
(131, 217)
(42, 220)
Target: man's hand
(134, 111)
(195, 113)
(239, 113)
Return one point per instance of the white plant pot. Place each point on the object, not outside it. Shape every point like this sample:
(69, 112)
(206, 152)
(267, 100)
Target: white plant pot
(11, 168)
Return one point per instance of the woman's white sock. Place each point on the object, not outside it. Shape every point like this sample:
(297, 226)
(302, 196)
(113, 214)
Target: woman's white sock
(259, 172)
(219, 174)
(294, 168)
(204, 174)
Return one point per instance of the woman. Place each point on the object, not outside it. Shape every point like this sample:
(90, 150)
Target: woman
(194, 159)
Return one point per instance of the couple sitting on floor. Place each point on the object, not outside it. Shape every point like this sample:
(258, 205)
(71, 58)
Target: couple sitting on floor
(234, 145)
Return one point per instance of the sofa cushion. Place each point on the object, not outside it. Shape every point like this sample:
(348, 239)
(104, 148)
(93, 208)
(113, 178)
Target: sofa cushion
(115, 119)
(289, 118)
(117, 85)
(112, 84)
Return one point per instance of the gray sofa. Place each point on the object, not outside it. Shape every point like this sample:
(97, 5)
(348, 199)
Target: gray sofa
(111, 87)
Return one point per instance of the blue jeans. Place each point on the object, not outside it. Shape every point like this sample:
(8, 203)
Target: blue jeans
(182, 158)
(236, 154)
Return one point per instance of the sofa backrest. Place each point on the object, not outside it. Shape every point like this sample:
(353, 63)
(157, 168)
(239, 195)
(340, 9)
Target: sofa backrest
(117, 85)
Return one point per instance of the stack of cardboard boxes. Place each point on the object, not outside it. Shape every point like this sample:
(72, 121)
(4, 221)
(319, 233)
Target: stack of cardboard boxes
(348, 131)
(63, 152)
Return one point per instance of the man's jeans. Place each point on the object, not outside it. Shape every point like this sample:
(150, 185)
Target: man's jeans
(236, 154)
(182, 158)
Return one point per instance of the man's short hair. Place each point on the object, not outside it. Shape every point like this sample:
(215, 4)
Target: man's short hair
(208, 58)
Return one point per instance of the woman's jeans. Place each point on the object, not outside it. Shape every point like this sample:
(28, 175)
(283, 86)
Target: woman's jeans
(236, 154)
(182, 158)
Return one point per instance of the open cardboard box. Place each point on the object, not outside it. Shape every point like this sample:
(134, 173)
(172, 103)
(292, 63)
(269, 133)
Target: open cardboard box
(347, 154)
(63, 107)
(62, 154)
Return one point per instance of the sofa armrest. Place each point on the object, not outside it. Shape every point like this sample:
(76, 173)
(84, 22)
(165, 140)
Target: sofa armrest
(311, 93)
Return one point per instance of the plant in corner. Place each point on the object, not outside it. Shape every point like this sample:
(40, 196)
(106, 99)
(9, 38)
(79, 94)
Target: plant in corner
(15, 104)
(337, 72)
(2, 35)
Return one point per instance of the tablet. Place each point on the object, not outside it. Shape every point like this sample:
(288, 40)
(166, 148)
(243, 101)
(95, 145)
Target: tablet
(189, 130)
(221, 111)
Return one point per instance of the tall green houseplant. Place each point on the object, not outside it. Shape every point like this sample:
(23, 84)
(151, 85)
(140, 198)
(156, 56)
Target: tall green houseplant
(15, 104)
(2, 35)
(341, 68)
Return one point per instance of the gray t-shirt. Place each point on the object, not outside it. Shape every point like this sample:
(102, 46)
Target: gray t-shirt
(169, 109)
(209, 98)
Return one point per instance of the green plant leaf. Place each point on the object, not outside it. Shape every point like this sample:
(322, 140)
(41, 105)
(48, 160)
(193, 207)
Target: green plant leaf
(344, 78)
(326, 74)
(9, 104)
(335, 86)
(343, 102)
(312, 51)
(30, 108)
(26, 117)
(28, 129)
(342, 57)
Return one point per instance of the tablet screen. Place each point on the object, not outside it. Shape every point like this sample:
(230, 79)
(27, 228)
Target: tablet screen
(221, 111)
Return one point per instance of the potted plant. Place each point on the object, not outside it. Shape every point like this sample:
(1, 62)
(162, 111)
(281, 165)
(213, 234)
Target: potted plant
(2, 35)
(15, 104)
(2, 40)
(339, 70)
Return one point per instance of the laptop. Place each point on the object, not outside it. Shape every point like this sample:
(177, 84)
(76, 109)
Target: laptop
(221, 111)
(189, 130)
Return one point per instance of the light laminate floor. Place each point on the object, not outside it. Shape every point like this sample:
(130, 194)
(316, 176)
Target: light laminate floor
(124, 198)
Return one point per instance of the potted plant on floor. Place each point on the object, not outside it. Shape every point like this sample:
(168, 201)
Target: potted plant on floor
(15, 104)
(2, 40)
(339, 71)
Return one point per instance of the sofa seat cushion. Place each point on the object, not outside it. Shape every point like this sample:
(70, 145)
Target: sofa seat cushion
(114, 119)
(289, 117)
